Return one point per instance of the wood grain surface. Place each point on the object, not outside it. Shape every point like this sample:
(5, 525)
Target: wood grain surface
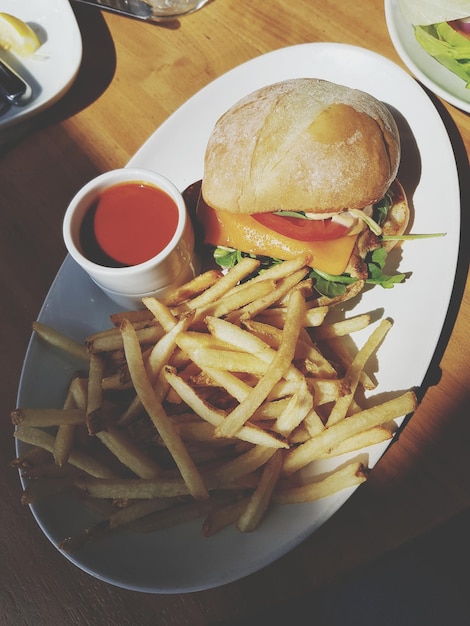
(133, 76)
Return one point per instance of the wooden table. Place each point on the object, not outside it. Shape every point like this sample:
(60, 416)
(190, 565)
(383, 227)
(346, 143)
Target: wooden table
(133, 77)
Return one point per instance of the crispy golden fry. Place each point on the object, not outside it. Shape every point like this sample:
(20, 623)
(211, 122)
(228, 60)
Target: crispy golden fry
(111, 341)
(60, 341)
(298, 407)
(39, 489)
(364, 420)
(116, 382)
(243, 295)
(223, 516)
(47, 417)
(282, 288)
(161, 312)
(173, 515)
(219, 289)
(132, 488)
(259, 501)
(206, 402)
(276, 369)
(242, 465)
(367, 438)
(353, 374)
(128, 453)
(135, 317)
(78, 458)
(304, 348)
(122, 517)
(79, 391)
(215, 416)
(32, 457)
(155, 410)
(94, 416)
(350, 475)
(342, 327)
(193, 288)
(343, 357)
(276, 316)
(65, 435)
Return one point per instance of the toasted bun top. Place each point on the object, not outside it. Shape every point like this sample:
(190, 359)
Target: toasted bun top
(301, 144)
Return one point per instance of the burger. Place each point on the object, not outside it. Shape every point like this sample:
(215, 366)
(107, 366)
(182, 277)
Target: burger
(306, 166)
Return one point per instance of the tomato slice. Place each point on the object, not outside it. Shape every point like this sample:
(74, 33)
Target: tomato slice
(302, 229)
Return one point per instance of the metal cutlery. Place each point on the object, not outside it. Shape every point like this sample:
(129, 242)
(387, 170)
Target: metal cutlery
(146, 9)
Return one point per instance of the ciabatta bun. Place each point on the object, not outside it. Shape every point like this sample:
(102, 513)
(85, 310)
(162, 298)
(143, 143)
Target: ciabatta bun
(301, 144)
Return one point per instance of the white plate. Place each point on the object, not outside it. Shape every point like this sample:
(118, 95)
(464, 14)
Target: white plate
(53, 68)
(430, 72)
(180, 560)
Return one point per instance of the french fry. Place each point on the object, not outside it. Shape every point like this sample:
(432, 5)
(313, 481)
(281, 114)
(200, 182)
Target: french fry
(206, 402)
(242, 465)
(60, 341)
(353, 374)
(37, 490)
(94, 417)
(47, 417)
(218, 290)
(276, 369)
(128, 453)
(78, 458)
(109, 342)
(301, 456)
(223, 516)
(350, 475)
(298, 407)
(193, 288)
(304, 349)
(65, 435)
(342, 327)
(215, 417)
(243, 295)
(155, 410)
(364, 439)
(172, 515)
(282, 288)
(31, 457)
(130, 488)
(259, 501)
(122, 517)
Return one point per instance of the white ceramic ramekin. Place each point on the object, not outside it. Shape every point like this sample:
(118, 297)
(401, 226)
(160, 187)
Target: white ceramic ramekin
(173, 266)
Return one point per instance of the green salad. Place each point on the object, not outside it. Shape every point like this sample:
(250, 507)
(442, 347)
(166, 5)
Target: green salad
(447, 46)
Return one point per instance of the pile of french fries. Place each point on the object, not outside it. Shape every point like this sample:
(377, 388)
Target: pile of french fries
(208, 404)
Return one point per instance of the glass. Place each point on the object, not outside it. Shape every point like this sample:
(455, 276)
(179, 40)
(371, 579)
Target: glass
(149, 10)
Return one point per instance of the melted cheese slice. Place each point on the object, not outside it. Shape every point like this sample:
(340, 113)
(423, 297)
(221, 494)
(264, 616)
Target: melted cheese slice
(243, 232)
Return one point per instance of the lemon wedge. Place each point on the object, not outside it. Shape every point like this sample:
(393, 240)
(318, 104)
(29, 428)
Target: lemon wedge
(17, 36)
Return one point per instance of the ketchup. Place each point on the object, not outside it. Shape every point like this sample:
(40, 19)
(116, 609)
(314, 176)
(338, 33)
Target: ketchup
(128, 224)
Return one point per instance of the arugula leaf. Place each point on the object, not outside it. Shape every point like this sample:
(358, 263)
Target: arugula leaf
(381, 209)
(228, 257)
(325, 284)
(375, 263)
(330, 285)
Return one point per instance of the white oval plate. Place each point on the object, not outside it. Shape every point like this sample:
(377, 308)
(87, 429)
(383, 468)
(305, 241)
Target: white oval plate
(180, 559)
(430, 72)
(53, 68)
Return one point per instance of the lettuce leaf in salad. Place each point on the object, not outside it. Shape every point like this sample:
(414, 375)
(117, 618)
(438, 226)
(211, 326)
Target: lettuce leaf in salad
(449, 48)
